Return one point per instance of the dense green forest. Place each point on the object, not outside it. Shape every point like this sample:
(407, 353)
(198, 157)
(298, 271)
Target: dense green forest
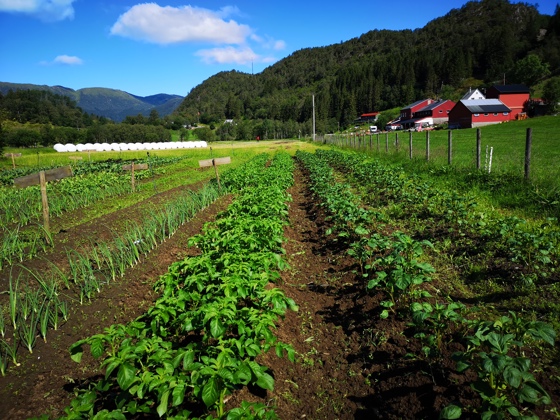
(481, 44)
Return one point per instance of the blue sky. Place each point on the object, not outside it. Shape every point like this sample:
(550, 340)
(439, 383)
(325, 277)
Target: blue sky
(173, 46)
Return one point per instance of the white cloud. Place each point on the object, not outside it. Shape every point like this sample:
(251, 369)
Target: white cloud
(228, 55)
(46, 10)
(166, 25)
(68, 60)
(71, 60)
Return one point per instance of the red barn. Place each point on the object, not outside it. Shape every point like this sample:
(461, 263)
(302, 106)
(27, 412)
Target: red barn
(515, 97)
(479, 112)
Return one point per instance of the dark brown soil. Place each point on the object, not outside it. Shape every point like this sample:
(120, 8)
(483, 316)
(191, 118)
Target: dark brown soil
(350, 364)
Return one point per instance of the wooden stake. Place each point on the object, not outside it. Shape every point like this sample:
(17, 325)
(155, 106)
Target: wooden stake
(427, 145)
(217, 174)
(46, 221)
(478, 147)
(132, 177)
(528, 142)
(449, 147)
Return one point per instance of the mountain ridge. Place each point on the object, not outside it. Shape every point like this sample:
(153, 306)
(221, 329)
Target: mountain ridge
(114, 104)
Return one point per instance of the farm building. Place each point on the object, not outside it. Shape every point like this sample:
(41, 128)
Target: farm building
(515, 97)
(426, 113)
(473, 95)
(407, 113)
(478, 112)
(368, 117)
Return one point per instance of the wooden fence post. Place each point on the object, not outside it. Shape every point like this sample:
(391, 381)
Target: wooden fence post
(410, 144)
(449, 147)
(132, 182)
(377, 142)
(528, 142)
(427, 145)
(44, 199)
(397, 141)
(478, 147)
(387, 143)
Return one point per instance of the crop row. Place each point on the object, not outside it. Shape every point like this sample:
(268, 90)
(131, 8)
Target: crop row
(216, 314)
(33, 310)
(394, 264)
(19, 242)
(88, 167)
(532, 250)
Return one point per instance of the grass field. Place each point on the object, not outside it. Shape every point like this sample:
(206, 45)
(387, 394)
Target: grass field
(507, 140)
(47, 156)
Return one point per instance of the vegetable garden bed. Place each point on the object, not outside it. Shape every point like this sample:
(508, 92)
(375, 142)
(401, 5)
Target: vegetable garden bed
(360, 352)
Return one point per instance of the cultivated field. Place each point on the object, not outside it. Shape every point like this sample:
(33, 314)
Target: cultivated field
(312, 282)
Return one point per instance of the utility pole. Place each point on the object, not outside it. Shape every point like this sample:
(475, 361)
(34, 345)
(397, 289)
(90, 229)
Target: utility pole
(313, 99)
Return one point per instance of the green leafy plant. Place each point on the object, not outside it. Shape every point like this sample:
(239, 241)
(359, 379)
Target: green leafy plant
(432, 321)
(505, 383)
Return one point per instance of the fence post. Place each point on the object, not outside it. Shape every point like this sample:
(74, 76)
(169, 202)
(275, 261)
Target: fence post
(45, 201)
(449, 147)
(478, 146)
(387, 143)
(410, 144)
(427, 145)
(377, 142)
(397, 141)
(528, 142)
(370, 140)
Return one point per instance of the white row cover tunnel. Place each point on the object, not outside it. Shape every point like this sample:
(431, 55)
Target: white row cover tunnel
(117, 147)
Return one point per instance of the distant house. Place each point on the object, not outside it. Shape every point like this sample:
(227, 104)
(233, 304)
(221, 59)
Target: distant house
(424, 113)
(515, 97)
(473, 95)
(435, 113)
(367, 117)
(407, 113)
(469, 113)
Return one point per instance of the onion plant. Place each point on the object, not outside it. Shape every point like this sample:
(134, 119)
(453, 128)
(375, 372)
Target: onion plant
(10, 349)
(53, 317)
(3, 361)
(28, 331)
(63, 308)
(13, 299)
(2, 323)
(44, 319)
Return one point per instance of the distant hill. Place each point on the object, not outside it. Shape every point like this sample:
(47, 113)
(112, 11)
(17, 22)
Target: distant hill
(478, 45)
(110, 103)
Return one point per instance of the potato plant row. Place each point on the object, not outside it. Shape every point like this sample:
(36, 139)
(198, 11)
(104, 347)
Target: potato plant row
(216, 314)
(532, 249)
(394, 264)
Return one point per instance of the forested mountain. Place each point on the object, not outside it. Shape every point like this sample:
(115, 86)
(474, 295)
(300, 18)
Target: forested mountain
(478, 45)
(110, 103)
(29, 106)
